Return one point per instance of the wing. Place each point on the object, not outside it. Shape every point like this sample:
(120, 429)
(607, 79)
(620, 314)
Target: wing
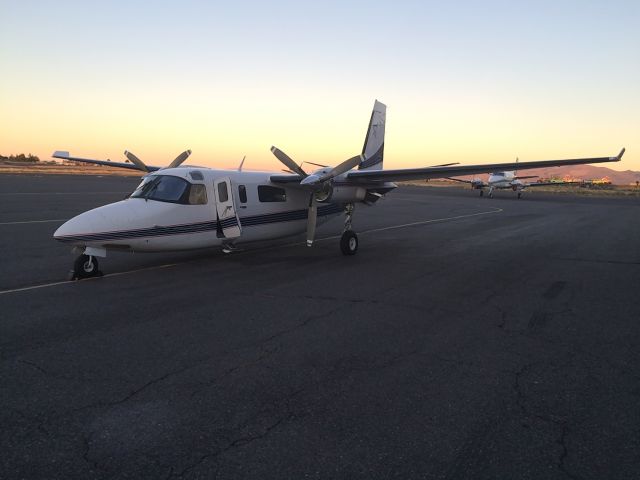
(458, 180)
(108, 163)
(445, 172)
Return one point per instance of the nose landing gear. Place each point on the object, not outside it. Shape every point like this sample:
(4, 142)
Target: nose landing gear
(85, 266)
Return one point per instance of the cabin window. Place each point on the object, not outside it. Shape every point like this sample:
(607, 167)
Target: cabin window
(267, 193)
(242, 193)
(198, 194)
(223, 193)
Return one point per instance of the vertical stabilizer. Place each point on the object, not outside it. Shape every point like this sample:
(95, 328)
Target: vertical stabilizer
(373, 150)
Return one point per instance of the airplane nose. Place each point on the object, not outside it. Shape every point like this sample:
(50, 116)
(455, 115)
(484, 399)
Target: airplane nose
(62, 231)
(84, 227)
(71, 230)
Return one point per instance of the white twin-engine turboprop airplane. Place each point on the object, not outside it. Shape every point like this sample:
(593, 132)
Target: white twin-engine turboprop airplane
(188, 207)
(509, 180)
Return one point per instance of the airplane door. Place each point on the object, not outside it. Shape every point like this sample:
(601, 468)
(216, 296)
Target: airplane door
(227, 216)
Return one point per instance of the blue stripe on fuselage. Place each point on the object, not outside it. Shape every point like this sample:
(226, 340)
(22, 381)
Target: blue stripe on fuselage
(182, 229)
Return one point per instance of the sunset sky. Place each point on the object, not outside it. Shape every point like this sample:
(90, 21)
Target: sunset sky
(472, 82)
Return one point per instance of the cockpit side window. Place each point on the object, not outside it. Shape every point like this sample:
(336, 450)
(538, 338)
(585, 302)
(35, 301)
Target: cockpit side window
(198, 194)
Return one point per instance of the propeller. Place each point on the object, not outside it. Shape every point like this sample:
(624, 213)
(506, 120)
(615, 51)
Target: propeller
(141, 165)
(312, 217)
(288, 161)
(136, 161)
(317, 181)
(179, 159)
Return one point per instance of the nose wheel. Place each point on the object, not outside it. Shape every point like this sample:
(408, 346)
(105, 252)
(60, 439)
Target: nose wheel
(85, 266)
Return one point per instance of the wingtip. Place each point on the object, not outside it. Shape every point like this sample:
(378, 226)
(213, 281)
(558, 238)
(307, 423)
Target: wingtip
(621, 153)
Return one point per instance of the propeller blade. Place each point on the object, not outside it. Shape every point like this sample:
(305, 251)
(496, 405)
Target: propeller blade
(288, 161)
(312, 216)
(179, 159)
(334, 172)
(136, 161)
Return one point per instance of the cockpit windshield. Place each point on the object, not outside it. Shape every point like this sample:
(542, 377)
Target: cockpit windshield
(167, 188)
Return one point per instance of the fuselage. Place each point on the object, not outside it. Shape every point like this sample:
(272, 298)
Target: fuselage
(506, 179)
(195, 208)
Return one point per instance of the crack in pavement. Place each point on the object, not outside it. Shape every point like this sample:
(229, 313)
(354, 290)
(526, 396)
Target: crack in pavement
(238, 442)
(136, 391)
(560, 423)
(256, 361)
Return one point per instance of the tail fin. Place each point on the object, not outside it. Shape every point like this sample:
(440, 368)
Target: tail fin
(373, 150)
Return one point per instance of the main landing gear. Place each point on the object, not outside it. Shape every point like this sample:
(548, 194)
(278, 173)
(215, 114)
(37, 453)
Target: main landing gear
(85, 266)
(349, 239)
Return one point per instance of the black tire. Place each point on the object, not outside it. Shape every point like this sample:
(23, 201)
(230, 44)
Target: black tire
(349, 243)
(481, 193)
(519, 195)
(82, 268)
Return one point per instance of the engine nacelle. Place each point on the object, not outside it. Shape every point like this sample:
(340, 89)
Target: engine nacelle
(338, 194)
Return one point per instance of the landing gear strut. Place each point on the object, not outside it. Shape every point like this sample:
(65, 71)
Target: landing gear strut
(349, 239)
(85, 266)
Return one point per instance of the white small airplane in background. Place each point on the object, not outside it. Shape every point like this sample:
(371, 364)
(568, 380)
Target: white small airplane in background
(508, 180)
(187, 207)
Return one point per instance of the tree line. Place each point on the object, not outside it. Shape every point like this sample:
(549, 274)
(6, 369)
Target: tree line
(21, 158)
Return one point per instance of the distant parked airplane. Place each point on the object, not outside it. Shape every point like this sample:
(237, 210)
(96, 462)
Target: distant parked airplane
(508, 180)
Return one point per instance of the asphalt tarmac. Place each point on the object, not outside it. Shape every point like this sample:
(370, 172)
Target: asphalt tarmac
(468, 338)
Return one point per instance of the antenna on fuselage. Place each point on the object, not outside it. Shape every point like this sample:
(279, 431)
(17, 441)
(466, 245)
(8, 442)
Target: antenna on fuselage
(241, 163)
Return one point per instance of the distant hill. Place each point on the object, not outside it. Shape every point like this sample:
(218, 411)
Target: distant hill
(583, 172)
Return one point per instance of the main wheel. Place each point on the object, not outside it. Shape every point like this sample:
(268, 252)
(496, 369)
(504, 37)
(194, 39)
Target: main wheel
(349, 243)
(519, 195)
(85, 267)
(481, 193)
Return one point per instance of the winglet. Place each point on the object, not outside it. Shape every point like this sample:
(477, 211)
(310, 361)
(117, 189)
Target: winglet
(621, 153)
(60, 154)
